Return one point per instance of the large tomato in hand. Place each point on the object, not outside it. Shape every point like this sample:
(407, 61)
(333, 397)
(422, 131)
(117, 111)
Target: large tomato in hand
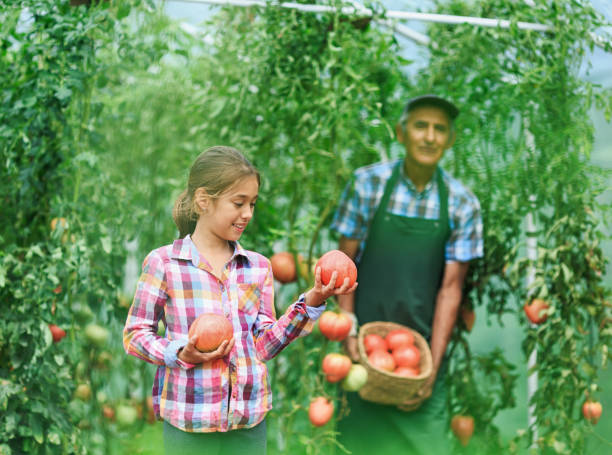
(336, 366)
(320, 411)
(382, 360)
(373, 341)
(591, 410)
(211, 329)
(335, 326)
(336, 260)
(398, 338)
(534, 310)
(407, 356)
(283, 267)
(463, 428)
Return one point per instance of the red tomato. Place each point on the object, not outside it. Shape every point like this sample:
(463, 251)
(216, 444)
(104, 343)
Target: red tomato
(463, 428)
(373, 341)
(320, 411)
(212, 329)
(591, 410)
(283, 267)
(469, 317)
(56, 332)
(336, 366)
(534, 309)
(335, 326)
(336, 260)
(399, 337)
(407, 356)
(382, 360)
(407, 371)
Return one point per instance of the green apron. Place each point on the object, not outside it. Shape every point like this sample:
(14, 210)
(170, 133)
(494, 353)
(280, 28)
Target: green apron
(400, 273)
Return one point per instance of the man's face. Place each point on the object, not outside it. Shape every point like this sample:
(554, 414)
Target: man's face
(426, 135)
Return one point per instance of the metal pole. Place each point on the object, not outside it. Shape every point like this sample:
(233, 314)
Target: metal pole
(401, 15)
(532, 255)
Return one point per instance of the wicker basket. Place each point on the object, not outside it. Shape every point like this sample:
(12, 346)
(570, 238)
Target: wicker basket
(389, 388)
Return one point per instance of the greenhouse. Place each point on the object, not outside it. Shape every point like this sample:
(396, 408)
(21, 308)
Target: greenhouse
(120, 236)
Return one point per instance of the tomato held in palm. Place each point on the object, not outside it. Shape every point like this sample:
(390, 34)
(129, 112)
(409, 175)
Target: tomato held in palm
(591, 410)
(382, 360)
(336, 366)
(335, 326)
(211, 329)
(407, 372)
(407, 356)
(336, 260)
(398, 338)
(535, 310)
(373, 341)
(283, 267)
(463, 428)
(320, 411)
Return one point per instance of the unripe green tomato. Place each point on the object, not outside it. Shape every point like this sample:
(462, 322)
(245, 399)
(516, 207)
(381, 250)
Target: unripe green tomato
(83, 392)
(101, 396)
(96, 335)
(355, 379)
(82, 312)
(126, 415)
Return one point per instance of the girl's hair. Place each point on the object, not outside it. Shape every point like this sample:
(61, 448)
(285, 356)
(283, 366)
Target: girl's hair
(216, 170)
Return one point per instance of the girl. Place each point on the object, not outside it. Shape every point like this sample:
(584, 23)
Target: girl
(215, 402)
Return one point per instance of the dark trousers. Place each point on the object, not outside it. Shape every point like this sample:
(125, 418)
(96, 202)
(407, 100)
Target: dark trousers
(235, 442)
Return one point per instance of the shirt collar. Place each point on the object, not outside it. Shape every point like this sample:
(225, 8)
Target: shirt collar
(430, 186)
(185, 249)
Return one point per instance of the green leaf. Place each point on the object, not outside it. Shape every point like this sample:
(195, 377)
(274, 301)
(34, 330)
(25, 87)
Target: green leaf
(106, 244)
(37, 429)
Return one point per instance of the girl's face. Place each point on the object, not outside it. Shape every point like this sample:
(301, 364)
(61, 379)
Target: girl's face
(227, 217)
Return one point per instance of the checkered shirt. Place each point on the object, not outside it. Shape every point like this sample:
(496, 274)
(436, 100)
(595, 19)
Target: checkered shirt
(363, 193)
(176, 286)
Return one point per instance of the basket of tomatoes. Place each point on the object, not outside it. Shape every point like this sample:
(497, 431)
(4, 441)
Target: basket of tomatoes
(398, 361)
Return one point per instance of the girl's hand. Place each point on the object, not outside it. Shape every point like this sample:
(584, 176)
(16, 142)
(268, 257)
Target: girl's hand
(319, 293)
(190, 353)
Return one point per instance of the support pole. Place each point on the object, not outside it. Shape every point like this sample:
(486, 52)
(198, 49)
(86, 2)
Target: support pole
(401, 15)
(532, 256)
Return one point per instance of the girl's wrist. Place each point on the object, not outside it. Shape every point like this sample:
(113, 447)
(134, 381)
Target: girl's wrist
(312, 298)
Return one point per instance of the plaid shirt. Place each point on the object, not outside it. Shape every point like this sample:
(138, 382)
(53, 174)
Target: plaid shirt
(177, 285)
(362, 195)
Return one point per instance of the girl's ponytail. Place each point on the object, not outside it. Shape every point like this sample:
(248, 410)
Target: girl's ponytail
(183, 215)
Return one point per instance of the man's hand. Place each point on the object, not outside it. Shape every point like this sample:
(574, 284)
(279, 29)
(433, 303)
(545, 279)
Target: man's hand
(351, 348)
(422, 394)
(190, 353)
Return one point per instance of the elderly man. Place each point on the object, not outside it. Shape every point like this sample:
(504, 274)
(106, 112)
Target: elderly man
(412, 230)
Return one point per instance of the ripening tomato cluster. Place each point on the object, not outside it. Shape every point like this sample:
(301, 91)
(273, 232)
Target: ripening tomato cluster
(338, 368)
(395, 353)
